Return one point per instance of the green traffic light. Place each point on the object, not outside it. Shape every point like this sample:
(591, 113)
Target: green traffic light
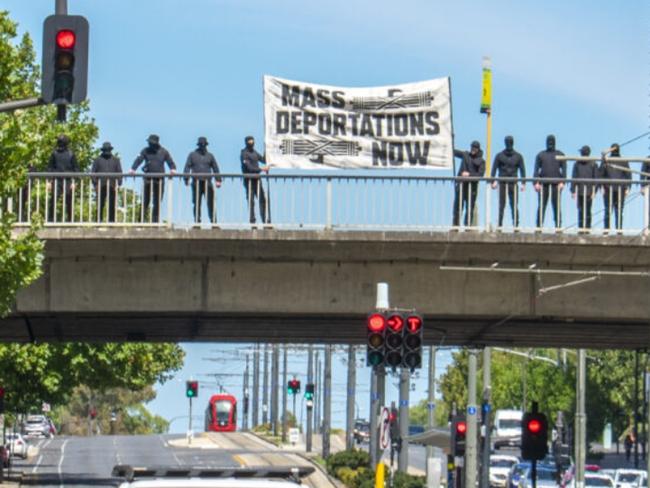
(375, 358)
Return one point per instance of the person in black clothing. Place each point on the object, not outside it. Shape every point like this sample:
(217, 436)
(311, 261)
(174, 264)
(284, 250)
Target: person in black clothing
(507, 164)
(614, 194)
(106, 188)
(62, 160)
(250, 165)
(547, 166)
(472, 165)
(202, 161)
(154, 157)
(583, 192)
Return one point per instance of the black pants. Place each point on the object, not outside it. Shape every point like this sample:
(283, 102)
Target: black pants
(58, 189)
(106, 193)
(154, 189)
(254, 189)
(200, 188)
(584, 210)
(512, 191)
(464, 198)
(614, 199)
(552, 190)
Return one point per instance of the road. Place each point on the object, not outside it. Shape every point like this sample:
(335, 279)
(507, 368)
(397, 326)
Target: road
(88, 461)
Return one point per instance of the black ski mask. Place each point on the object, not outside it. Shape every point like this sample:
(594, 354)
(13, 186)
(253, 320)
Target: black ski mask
(510, 144)
(550, 143)
(616, 150)
(250, 142)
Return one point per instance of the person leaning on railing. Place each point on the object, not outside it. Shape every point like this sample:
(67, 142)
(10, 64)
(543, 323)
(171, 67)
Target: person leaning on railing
(583, 193)
(507, 164)
(203, 162)
(106, 187)
(472, 165)
(62, 160)
(250, 165)
(614, 193)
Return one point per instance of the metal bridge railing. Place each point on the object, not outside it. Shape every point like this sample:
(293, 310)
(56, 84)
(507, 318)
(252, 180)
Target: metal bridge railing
(322, 201)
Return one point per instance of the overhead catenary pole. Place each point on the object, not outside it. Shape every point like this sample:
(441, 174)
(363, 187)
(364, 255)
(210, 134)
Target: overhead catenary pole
(275, 379)
(245, 395)
(310, 378)
(580, 437)
(256, 385)
(486, 417)
(284, 396)
(265, 387)
(635, 419)
(404, 393)
(317, 403)
(471, 438)
(327, 402)
(352, 380)
(431, 412)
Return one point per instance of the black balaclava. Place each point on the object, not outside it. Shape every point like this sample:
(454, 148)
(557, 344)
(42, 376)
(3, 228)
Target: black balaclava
(250, 142)
(585, 151)
(509, 141)
(475, 148)
(616, 151)
(107, 150)
(202, 144)
(62, 143)
(550, 143)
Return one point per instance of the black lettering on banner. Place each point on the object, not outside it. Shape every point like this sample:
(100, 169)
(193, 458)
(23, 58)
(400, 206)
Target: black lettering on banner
(416, 123)
(415, 154)
(309, 120)
(282, 122)
(433, 125)
(354, 118)
(308, 98)
(395, 153)
(401, 125)
(324, 124)
(295, 122)
(378, 118)
(389, 128)
(338, 125)
(379, 154)
(338, 100)
(366, 126)
(323, 97)
(290, 95)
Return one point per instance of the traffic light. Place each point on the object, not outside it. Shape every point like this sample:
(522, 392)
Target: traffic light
(65, 59)
(376, 328)
(394, 340)
(534, 436)
(395, 438)
(412, 352)
(192, 389)
(293, 386)
(309, 391)
(458, 434)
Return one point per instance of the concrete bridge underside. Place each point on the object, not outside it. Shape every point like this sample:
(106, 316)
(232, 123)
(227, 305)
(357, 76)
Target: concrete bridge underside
(116, 284)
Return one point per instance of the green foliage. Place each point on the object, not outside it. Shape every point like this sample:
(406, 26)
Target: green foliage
(352, 467)
(352, 458)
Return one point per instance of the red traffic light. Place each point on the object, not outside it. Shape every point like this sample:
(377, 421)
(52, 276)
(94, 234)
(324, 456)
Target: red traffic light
(461, 427)
(414, 323)
(395, 322)
(66, 39)
(534, 426)
(376, 322)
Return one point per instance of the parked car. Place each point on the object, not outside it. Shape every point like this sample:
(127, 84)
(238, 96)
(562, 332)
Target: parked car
(507, 428)
(37, 425)
(500, 466)
(593, 480)
(18, 446)
(546, 478)
(517, 471)
(627, 478)
(361, 431)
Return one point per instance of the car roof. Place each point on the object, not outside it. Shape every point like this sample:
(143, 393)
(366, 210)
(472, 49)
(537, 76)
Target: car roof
(629, 471)
(209, 483)
(505, 457)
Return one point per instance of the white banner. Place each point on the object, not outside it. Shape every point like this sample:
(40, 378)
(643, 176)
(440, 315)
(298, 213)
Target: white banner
(317, 126)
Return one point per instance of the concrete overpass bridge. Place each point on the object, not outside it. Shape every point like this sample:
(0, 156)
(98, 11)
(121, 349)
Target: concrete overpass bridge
(165, 284)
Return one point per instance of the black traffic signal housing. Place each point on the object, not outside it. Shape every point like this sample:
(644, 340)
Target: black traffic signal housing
(395, 437)
(2, 399)
(412, 351)
(458, 435)
(64, 76)
(394, 340)
(309, 391)
(534, 436)
(192, 389)
(293, 386)
(376, 333)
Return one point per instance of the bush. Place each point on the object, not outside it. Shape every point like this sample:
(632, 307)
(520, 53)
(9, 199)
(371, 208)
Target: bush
(353, 459)
(404, 480)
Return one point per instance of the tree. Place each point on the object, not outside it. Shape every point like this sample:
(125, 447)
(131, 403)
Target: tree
(26, 139)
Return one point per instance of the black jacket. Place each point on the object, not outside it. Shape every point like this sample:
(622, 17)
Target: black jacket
(250, 161)
(645, 169)
(201, 162)
(107, 165)
(584, 170)
(62, 162)
(507, 164)
(612, 171)
(547, 165)
(474, 165)
(154, 160)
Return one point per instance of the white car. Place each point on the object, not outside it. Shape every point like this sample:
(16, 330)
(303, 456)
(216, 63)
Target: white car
(595, 480)
(507, 428)
(17, 445)
(500, 466)
(627, 478)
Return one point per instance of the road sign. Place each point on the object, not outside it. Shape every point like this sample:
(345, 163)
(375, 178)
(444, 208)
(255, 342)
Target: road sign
(384, 428)
(294, 435)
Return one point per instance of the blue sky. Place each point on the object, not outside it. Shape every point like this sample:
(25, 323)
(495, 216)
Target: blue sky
(182, 69)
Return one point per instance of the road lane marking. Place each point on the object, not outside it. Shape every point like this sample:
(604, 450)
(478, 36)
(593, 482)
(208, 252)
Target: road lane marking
(60, 466)
(38, 463)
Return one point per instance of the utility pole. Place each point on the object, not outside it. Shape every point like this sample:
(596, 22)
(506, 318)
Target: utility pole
(636, 409)
(256, 385)
(310, 376)
(284, 396)
(352, 380)
(275, 356)
(327, 402)
(486, 410)
(580, 437)
(317, 393)
(381, 393)
(265, 387)
(245, 387)
(374, 410)
(404, 392)
(471, 439)
(431, 412)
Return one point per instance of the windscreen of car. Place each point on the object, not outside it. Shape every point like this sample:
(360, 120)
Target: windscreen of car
(223, 410)
(36, 421)
(501, 463)
(598, 482)
(545, 474)
(509, 424)
(628, 477)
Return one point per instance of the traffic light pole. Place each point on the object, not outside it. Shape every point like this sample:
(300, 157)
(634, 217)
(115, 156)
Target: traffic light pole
(403, 445)
(431, 398)
(471, 440)
(310, 377)
(327, 402)
(61, 8)
(256, 386)
(486, 417)
(245, 392)
(352, 380)
(265, 387)
(581, 420)
(317, 403)
(284, 396)
(374, 410)
(190, 434)
(381, 393)
(275, 376)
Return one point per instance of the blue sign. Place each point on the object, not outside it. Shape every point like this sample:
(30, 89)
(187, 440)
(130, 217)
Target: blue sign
(403, 403)
(471, 410)
(431, 406)
(486, 408)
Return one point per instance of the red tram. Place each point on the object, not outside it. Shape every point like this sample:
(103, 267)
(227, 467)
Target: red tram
(221, 414)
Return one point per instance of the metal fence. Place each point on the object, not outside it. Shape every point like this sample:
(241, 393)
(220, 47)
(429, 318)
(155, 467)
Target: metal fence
(340, 202)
